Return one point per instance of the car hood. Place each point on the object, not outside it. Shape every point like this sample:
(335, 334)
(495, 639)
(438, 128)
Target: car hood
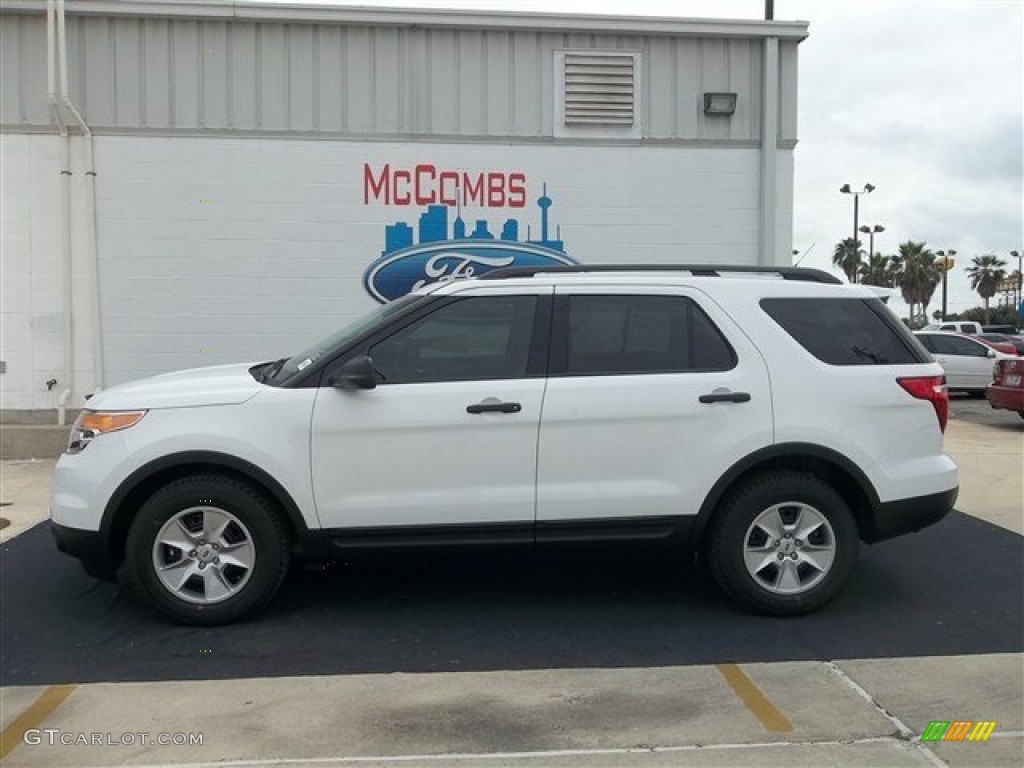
(217, 385)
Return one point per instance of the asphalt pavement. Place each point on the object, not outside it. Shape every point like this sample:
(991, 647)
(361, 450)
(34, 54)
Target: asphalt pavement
(929, 594)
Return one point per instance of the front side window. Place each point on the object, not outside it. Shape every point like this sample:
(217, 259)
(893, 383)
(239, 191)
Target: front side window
(630, 334)
(470, 339)
(957, 345)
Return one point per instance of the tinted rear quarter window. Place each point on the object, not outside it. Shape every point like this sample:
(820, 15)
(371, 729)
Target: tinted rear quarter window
(846, 331)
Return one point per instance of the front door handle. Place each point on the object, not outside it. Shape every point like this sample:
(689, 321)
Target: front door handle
(725, 396)
(494, 406)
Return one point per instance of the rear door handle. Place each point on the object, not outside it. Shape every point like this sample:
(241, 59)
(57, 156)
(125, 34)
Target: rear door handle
(725, 397)
(494, 406)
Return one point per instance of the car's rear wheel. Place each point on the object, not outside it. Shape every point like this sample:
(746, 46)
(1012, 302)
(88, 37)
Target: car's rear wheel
(783, 543)
(206, 549)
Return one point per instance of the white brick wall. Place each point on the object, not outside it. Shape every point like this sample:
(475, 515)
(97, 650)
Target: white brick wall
(276, 258)
(31, 288)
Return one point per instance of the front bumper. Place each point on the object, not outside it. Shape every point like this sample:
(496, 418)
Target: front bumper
(89, 547)
(895, 518)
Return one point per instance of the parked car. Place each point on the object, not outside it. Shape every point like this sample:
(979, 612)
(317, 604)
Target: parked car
(768, 421)
(1009, 330)
(1011, 345)
(959, 326)
(999, 346)
(969, 364)
(1007, 388)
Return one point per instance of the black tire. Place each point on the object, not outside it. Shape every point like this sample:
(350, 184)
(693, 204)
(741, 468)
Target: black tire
(253, 542)
(784, 585)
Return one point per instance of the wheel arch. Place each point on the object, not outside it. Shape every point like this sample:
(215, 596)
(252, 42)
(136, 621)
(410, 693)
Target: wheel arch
(828, 465)
(146, 480)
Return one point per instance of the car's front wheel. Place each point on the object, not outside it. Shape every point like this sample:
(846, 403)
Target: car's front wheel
(206, 549)
(783, 543)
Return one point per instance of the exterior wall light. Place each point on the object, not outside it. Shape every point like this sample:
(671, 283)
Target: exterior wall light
(719, 103)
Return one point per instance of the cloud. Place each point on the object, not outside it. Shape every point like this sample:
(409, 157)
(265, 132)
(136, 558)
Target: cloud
(923, 100)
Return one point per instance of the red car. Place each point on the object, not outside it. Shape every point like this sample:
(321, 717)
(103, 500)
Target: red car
(1017, 341)
(1007, 388)
(998, 345)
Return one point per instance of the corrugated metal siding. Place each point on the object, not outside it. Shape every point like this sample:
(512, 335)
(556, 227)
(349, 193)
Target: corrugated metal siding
(182, 74)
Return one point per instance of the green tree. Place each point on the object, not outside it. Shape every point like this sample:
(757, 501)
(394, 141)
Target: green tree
(985, 273)
(878, 270)
(916, 275)
(846, 256)
(998, 316)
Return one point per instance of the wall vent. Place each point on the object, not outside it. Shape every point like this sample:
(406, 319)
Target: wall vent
(599, 89)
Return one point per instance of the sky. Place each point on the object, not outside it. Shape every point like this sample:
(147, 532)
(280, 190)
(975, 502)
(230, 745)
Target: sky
(924, 99)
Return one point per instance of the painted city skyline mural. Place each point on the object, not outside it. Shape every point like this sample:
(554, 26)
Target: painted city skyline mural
(438, 246)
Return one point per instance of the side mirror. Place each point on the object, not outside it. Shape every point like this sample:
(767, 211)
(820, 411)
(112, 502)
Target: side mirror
(357, 373)
(991, 353)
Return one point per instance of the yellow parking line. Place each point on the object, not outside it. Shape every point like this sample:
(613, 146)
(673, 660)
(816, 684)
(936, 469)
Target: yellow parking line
(769, 715)
(33, 717)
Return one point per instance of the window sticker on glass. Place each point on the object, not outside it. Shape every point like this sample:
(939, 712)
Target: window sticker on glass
(304, 364)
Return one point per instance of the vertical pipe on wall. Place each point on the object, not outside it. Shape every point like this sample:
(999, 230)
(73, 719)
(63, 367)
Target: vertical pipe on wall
(67, 281)
(769, 152)
(89, 235)
(51, 86)
(53, 25)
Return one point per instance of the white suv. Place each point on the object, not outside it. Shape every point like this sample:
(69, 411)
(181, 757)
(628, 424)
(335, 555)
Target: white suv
(769, 419)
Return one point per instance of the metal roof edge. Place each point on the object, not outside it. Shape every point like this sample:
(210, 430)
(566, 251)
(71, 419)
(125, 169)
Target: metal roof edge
(417, 17)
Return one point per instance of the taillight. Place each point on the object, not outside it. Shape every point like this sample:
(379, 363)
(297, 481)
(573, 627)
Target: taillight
(1007, 368)
(930, 388)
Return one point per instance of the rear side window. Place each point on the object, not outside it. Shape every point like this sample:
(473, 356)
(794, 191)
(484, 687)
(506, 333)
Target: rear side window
(631, 334)
(846, 331)
(953, 345)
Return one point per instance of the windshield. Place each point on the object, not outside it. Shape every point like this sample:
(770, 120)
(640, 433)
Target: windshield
(350, 332)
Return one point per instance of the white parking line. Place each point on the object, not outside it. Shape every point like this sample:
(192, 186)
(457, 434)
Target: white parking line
(554, 753)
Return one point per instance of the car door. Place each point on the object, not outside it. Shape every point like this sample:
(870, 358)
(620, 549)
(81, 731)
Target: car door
(653, 393)
(449, 435)
(967, 363)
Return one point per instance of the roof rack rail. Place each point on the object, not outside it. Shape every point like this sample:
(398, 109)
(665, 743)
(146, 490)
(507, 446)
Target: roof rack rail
(804, 274)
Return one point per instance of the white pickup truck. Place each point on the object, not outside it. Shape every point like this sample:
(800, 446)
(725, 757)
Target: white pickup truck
(960, 326)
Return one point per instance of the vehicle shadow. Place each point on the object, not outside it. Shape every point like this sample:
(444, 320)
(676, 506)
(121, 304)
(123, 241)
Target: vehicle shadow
(951, 589)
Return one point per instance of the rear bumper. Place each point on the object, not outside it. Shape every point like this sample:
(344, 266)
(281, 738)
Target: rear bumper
(1011, 399)
(895, 518)
(88, 546)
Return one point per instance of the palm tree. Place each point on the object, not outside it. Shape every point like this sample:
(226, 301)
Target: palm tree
(847, 257)
(878, 270)
(916, 275)
(986, 273)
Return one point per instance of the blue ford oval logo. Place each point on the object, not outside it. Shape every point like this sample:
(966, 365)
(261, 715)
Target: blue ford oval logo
(444, 254)
(412, 268)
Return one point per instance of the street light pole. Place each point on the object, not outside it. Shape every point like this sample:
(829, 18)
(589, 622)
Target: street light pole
(1020, 278)
(947, 264)
(847, 190)
(870, 232)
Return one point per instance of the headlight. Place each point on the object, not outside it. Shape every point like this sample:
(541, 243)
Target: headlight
(91, 424)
